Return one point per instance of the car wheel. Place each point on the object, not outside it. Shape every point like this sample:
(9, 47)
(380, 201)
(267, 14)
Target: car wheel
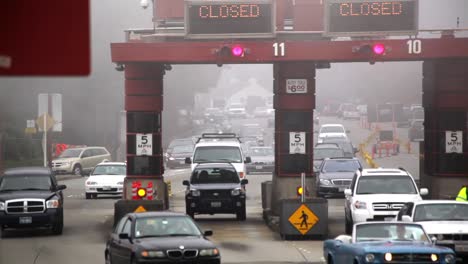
(108, 258)
(77, 170)
(329, 259)
(241, 215)
(88, 196)
(348, 225)
(57, 229)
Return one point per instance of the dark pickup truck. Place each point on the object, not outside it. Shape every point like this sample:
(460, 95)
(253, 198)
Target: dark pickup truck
(30, 197)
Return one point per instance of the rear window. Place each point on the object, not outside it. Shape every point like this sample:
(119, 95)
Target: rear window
(217, 154)
(341, 166)
(385, 185)
(332, 129)
(214, 175)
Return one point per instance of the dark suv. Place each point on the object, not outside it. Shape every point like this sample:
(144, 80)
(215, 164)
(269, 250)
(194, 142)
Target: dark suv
(31, 197)
(215, 188)
(335, 175)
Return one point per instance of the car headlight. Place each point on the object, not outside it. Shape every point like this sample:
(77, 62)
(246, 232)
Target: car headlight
(153, 254)
(171, 158)
(388, 257)
(53, 204)
(369, 258)
(360, 205)
(209, 252)
(434, 257)
(235, 192)
(91, 183)
(195, 193)
(449, 259)
(2, 206)
(325, 182)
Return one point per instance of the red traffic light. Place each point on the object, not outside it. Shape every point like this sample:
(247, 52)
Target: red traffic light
(378, 49)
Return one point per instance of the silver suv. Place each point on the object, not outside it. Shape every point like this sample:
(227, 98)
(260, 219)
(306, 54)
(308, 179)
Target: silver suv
(80, 161)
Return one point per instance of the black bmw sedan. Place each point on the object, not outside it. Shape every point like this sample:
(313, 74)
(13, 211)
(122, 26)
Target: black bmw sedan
(160, 237)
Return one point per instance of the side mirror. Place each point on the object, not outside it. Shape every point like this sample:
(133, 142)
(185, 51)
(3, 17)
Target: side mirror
(208, 233)
(248, 159)
(244, 181)
(124, 236)
(186, 183)
(433, 239)
(406, 218)
(348, 192)
(356, 150)
(188, 160)
(424, 191)
(61, 187)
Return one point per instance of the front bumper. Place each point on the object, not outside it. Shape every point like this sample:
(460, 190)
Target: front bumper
(104, 189)
(49, 218)
(363, 215)
(62, 169)
(215, 206)
(459, 246)
(324, 190)
(198, 260)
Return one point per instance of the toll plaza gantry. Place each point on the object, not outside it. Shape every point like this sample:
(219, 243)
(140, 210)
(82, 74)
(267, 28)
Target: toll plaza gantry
(297, 37)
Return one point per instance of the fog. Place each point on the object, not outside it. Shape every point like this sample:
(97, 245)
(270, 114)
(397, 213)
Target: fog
(92, 105)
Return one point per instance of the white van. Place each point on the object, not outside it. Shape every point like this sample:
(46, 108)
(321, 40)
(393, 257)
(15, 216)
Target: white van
(216, 148)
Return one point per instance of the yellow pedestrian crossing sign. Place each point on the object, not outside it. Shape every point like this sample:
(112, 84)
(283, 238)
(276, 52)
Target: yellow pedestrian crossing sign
(140, 209)
(45, 119)
(303, 219)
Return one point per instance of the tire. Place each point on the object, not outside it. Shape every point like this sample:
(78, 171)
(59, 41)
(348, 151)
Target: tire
(77, 170)
(88, 196)
(329, 260)
(348, 225)
(57, 229)
(107, 258)
(241, 215)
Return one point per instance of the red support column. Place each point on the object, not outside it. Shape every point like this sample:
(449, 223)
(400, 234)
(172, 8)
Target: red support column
(445, 101)
(294, 105)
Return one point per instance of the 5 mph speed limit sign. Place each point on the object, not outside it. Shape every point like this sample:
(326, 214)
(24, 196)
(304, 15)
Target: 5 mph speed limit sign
(453, 141)
(297, 143)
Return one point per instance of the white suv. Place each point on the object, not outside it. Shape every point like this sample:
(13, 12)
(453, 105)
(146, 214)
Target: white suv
(378, 195)
(331, 130)
(219, 148)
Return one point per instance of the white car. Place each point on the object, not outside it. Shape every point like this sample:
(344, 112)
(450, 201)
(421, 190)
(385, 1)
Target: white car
(106, 178)
(331, 130)
(446, 220)
(378, 195)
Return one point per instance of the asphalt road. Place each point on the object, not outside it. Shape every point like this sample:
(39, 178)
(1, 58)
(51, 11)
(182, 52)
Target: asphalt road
(88, 223)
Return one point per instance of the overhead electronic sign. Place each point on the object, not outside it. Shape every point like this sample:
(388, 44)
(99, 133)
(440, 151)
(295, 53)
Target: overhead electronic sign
(369, 18)
(229, 19)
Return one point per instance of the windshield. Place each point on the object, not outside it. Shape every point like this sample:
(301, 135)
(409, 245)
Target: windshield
(217, 154)
(385, 185)
(387, 231)
(71, 153)
(165, 226)
(332, 129)
(322, 153)
(261, 152)
(110, 170)
(214, 175)
(341, 166)
(25, 182)
(441, 212)
(182, 149)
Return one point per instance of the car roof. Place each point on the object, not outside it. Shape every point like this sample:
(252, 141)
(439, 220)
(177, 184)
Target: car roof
(214, 165)
(31, 171)
(155, 213)
(220, 143)
(384, 172)
(112, 163)
(439, 202)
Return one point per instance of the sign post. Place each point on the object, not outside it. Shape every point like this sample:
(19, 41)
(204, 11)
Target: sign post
(303, 185)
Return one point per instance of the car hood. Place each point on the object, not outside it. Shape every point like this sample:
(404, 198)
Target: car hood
(262, 158)
(180, 154)
(385, 198)
(107, 179)
(323, 135)
(25, 195)
(402, 247)
(164, 243)
(445, 227)
(337, 175)
(215, 186)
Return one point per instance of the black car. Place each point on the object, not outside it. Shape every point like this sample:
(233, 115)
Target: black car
(215, 188)
(160, 237)
(335, 175)
(31, 197)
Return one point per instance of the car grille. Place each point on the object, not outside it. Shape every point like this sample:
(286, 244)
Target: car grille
(454, 237)
(25, 206)
(216, 194)
(107, 190)
(341, 182)
(412, 258)
(179, 253)
(387, 206)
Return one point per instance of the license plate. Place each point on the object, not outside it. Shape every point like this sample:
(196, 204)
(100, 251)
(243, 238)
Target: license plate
(25, 220)
(258, 167)
(106, 188)
(215, 204)
(461, 248)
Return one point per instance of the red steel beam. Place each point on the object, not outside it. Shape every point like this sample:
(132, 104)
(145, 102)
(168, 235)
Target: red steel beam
(261, 51)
